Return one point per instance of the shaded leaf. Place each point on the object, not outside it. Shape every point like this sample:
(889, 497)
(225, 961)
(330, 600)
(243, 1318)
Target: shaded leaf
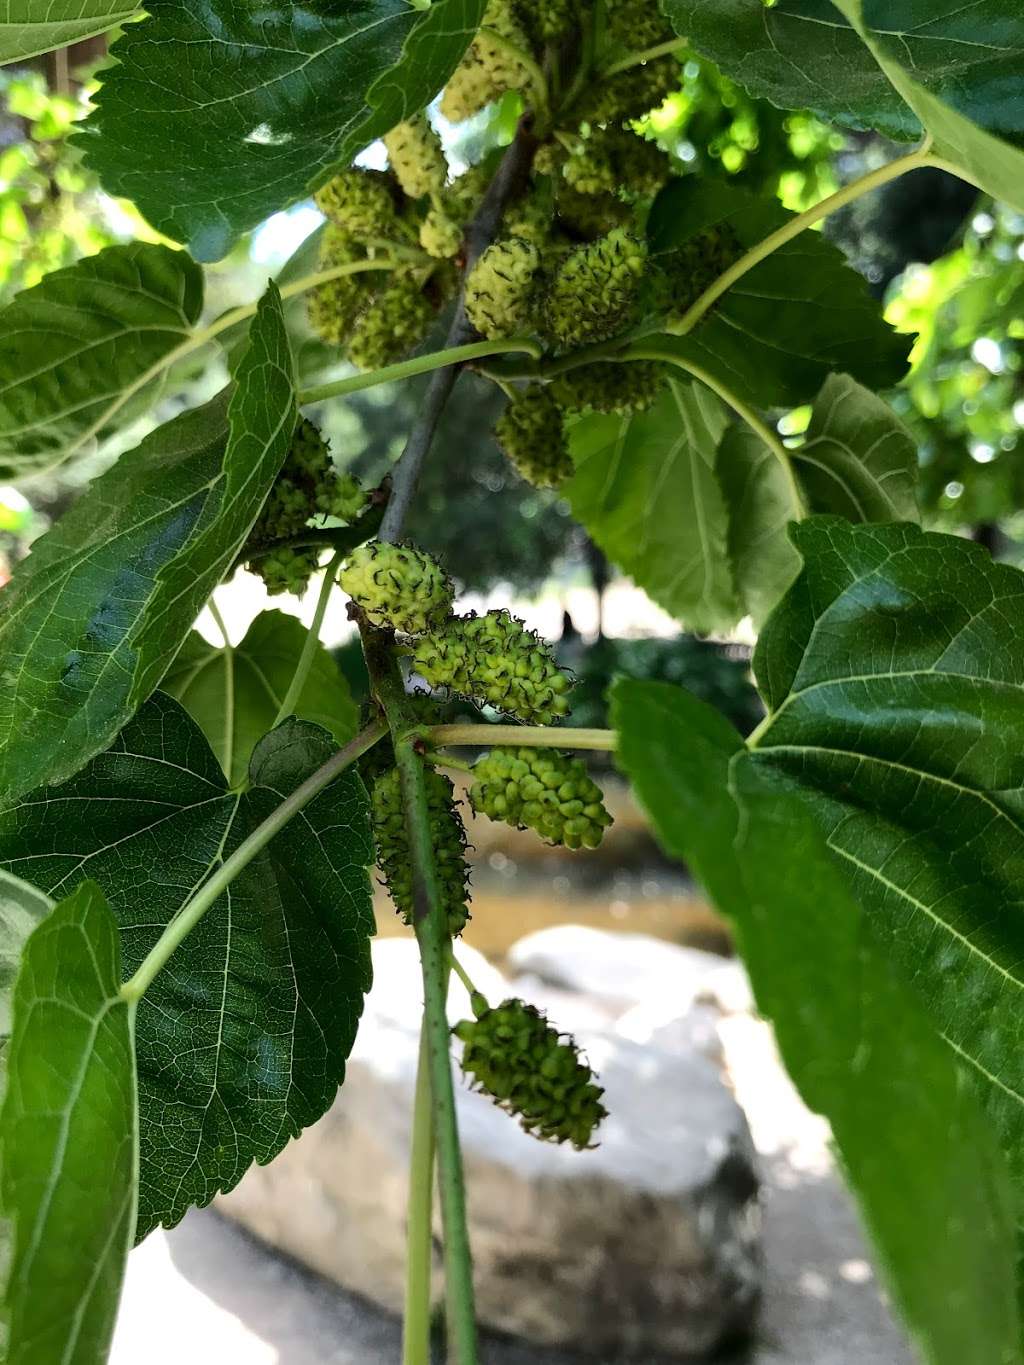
(267, 100)
(759, 500)
(96, 613)
(775, 336)
(803, 54)
(21, 908)
(858, 460)
(645, 490)
(69, 1138)
(234, 694)
(958, 125)
(83, 347)
(27, 29)
(242, 1038)
(920, 1157)
(893, 676)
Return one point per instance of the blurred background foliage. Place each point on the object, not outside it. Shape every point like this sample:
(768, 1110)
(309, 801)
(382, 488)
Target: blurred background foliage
(949, 268)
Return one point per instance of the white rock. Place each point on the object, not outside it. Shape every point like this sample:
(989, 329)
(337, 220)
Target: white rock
(629, 969)
(660, 1025)
(649, 1243)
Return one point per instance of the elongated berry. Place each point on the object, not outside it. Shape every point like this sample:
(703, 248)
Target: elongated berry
(542, 790)
(448, 839)
(531, 1071)
(624, 387)
(415, 155)
(494, 659)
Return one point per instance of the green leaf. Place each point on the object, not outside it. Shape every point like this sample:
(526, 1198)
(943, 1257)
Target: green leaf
(645, 489)
(219, 113)
(775, 336)
(858, 460)
(893, 676)
(21, 908)
(242, 1038)
(759, 500)
(233, 694)
(84, 346)
(958, 125)
(96, 613)
(69, 1138)
(919, 1154)
(802, 54)
(27, 29)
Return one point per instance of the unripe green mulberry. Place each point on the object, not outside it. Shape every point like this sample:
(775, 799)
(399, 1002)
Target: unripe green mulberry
(342, 497)
(688, 270)
(624, 387)
(488, 69)
(286, 569)
(333, 307)
(590, 215)
(631, 94)
(440, 235)
(501, 289)
(531, 1071)
(636, 24)
(593, 296)
(546, 20)
(612, 159)
(392, 324)
(415, 155)
(448, 837)
(494, 659)
(360, 201)
(531, 433)
(542, 790)
(530, 218)
(397, 587)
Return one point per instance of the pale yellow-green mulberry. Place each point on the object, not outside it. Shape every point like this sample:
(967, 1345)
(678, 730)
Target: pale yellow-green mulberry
(501, 289)
(543, 790)
(593, 295)
(397, 586)
(416, 157)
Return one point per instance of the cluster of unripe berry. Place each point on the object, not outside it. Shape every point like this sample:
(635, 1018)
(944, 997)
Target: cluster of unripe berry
(308, 488)
(531, 1071)
(543, 790)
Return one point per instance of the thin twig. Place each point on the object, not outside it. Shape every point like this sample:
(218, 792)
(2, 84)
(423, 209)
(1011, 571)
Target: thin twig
(508, 179)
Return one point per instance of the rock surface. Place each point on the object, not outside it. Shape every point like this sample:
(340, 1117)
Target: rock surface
(647, 1245)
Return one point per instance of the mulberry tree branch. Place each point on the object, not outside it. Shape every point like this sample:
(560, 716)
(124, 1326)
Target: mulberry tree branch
(508, 180)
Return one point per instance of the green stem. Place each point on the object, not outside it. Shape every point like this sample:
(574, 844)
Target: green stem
(421, 364)
(419, 1218)
(311, 642)
(229, 686)
(441, 760)
(739, 407)
(651, 54)
(461, 973)
(529, 736)
(429, 922)
(190, 914)
(800, 223)
(343, 539)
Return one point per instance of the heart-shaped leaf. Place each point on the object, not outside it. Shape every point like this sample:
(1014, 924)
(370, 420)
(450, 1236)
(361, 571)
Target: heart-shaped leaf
(242, 1038)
